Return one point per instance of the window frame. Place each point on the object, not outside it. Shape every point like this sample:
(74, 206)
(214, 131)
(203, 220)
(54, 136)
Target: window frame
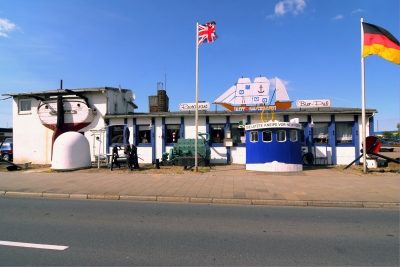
(303, 135)
(277, 136)
(267, 141)
(141, 136)
(327, 134)
(20, 105)
(296, 136)
(219, 136)
(114, 137)
(349, 142)
(251, 136)
(168, 134)
(239, 132)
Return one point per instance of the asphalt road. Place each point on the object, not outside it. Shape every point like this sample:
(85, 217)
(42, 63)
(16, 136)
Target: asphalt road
(98, 232)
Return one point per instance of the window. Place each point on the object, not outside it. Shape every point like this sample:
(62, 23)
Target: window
(302, 132)
(238, 134)
(117, 134)
(344, 132)
(267, 136)
(253, 137)
(173, 133)
(143, 134)
(293, 135)
(320, 132)
(217, 133)
(281, 136)
(24, 106)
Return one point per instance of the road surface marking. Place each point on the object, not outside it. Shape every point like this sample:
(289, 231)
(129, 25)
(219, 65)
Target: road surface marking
(32, 245)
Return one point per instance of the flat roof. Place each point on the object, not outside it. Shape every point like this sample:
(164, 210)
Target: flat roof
(202, 113)
(63, 91)
(66, 91)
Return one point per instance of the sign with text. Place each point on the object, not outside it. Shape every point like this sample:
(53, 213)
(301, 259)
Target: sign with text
(322, 103)
(273, 124)
(254, 108)
(192, 106)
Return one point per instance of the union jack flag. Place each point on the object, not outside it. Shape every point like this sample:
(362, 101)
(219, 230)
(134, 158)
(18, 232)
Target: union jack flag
(207, 32)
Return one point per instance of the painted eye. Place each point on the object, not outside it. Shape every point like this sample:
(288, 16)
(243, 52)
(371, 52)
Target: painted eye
(79, 105)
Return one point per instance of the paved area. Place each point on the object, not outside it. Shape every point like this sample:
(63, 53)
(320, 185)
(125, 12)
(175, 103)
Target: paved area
(232, 184)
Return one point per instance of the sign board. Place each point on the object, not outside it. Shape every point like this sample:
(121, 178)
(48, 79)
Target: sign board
(192, 106)
(228, 142)
(254, 108)
(322, 103)
(273, 125)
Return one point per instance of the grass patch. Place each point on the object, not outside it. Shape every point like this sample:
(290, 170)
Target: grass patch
(359, 169)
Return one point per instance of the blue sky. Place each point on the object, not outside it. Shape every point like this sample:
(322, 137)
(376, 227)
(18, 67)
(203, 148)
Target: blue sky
(313, 46)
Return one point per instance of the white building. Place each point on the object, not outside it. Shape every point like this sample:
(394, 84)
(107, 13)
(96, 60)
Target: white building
(334, 133)
(33, 141)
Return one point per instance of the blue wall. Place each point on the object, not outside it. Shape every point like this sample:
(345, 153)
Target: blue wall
(264, 152)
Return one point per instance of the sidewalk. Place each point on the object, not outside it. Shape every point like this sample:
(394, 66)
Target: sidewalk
(230, 184)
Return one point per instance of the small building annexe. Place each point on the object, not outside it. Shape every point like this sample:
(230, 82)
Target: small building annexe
(334, 133)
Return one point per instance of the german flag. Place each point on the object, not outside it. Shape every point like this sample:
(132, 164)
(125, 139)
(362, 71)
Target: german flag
(378, 41)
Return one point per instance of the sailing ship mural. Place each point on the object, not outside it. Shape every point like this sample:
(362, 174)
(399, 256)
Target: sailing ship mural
(248, 96)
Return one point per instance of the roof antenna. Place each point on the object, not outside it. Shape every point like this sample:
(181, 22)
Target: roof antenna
(60, 84)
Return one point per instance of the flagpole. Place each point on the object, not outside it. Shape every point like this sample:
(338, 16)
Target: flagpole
(363, 123)
(197, 98)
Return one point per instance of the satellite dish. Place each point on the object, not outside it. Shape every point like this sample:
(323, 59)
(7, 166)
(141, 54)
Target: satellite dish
(129, 96)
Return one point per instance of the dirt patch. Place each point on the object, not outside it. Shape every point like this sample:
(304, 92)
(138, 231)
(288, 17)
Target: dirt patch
(391, 170)
(144, 168)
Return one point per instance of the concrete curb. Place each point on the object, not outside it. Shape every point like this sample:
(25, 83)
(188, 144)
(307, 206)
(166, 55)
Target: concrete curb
(289, 203)
(232, 201)
(23, 194)
(78, 196)
(173, 199)
(138, 198)
(381, 205)
(56, 195)
(340, 204)
(279, 202)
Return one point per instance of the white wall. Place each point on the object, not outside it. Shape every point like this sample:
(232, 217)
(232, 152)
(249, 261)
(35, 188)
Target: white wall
(116, 102)
(190, 127)
(158, 137)
(238, 155)
(344, 118)
(345, 155)
(96, 100)
(32, 141)
(302, 118)
(173, 120)
(144, 154)
(218, 155)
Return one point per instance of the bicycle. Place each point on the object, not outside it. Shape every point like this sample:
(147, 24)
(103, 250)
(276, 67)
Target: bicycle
(307, 158)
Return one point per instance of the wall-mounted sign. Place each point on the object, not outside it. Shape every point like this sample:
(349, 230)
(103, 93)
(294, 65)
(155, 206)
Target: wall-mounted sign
(273, 125)
(321, 103)
(192, 106)
(254, 108)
